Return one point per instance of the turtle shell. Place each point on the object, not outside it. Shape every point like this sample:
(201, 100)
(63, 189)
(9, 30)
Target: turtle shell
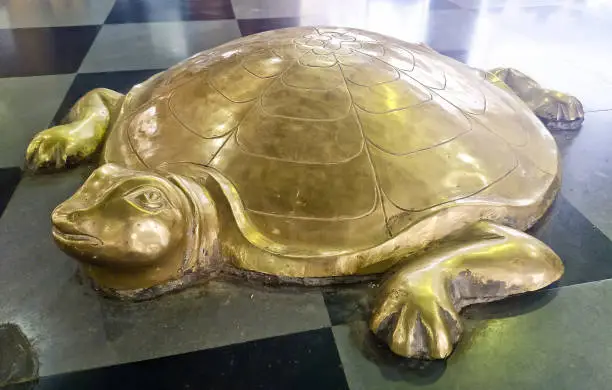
(328, 140)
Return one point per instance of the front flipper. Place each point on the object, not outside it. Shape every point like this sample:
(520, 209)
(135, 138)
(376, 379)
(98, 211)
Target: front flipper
(558, 110)
(417, 308)
(80, 137)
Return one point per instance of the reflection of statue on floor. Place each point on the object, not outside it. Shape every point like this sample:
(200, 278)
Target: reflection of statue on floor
(317, 156)
(18, 360)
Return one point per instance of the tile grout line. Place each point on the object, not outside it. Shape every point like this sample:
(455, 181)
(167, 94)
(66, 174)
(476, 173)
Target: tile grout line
(599, 110)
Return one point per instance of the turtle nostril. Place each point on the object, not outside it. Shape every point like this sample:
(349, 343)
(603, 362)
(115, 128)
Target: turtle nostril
(63, 218)
(74, 216)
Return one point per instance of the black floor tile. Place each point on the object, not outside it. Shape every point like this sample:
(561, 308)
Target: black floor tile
(307, 360)
(9, 178)
(459, 55)
(139, 11)
(442, 4)
(117, 81)
(451, 32)
(584, 249)
(347, 304)
(40, 51)
(253, 26)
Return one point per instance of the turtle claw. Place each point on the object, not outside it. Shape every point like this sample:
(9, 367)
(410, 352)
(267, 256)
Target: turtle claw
(416, 324)
(48, 149)
(80, 137)
(559, 111)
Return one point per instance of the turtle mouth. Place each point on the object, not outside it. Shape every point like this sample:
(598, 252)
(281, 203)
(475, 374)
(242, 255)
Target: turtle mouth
(75, 238)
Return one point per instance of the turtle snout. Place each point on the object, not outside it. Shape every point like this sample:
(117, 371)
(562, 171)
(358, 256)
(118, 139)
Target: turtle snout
(71, 227)
(63, 219)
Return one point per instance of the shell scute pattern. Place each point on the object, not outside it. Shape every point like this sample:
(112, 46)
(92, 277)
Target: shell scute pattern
(300, 115)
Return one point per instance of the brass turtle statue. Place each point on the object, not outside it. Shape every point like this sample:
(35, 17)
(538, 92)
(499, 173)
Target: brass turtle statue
(314, 156)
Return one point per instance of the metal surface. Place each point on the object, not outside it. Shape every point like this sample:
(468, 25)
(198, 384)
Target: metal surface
(79, 138)
(315, 153)
(558, 110)
(417, 311)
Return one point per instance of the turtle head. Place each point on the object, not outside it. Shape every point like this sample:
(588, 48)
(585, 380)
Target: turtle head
(135, 229)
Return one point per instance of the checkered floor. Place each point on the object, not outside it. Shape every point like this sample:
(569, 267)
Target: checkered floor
(243, 335)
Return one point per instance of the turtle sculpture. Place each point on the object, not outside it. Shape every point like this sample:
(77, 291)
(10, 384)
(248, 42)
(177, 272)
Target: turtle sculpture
(317, 156)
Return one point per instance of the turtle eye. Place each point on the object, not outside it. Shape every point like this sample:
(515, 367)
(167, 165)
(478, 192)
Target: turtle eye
(148, 199)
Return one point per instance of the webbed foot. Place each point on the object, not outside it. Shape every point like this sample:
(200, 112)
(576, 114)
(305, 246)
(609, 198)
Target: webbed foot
(416, 322)
(78, 139)
(56, 148)
(417, 309)
(557, 110)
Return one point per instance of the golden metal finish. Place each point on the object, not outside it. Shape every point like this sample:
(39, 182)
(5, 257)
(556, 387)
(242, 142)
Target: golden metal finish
(315, 153)
(79, 138)
(417, 310)
(558, 110)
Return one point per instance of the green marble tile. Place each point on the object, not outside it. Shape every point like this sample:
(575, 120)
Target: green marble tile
(587, 169)
(73, 328)
(27, 105)
(559, 339)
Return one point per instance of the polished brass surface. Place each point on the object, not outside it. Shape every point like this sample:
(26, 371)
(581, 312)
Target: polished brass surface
(80, 137)
(315, 153)
(417, 309)
(558, 110)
